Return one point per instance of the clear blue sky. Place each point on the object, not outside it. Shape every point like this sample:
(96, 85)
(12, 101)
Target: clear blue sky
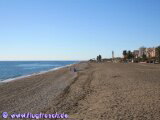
(76, 29)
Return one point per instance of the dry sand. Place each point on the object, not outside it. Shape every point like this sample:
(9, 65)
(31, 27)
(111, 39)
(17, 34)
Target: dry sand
(98, 91)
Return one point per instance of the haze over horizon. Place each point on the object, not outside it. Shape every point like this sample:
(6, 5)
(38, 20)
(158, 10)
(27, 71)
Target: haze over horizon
(76, 29)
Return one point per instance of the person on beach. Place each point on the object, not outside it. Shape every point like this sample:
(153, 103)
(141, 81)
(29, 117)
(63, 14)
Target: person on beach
(74, 69)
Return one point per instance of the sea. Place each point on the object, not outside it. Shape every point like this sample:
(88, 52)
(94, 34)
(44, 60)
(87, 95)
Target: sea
(10, 70)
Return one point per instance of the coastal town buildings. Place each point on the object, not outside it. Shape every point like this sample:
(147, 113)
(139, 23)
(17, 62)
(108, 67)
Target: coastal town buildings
(148, 55)
(142, 51)
(136, 53)
(150, 52)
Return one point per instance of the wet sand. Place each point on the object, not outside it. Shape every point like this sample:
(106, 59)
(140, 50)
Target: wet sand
(98, 91)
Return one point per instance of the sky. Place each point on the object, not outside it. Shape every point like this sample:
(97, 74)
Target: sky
(76, 29)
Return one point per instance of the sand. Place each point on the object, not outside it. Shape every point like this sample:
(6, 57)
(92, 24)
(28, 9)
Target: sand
(98, 91)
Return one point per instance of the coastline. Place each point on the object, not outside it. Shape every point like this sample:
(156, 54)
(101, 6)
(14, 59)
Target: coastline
(96, 90)
(34, 93)
(34, 74)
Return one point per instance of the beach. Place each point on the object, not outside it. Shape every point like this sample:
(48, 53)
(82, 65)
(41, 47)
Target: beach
(97, 91)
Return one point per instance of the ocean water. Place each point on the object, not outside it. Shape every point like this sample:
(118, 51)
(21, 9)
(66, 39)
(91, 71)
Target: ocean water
(14, 69)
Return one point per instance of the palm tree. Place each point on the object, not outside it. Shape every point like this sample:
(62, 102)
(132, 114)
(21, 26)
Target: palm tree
(129, 55)
(158, 53)
(100, 58)
(124, 53)
(144, 57)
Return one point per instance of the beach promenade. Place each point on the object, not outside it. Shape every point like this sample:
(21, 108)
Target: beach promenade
(97, 91)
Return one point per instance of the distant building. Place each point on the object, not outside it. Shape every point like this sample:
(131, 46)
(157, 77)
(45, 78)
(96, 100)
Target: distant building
(112, 55)
(107, 60)
(142, 51)
(150, 52)
(117, 59)
(136, 53)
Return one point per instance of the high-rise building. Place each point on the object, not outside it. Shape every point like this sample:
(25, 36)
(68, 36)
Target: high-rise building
(142, 51)
(136, 53)
(150, 52)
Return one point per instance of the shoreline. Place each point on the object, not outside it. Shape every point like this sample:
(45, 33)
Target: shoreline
(34, 74)
(36, 93)
(104, 91)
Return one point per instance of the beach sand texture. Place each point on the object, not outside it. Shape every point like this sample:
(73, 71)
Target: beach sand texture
(97, 91)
